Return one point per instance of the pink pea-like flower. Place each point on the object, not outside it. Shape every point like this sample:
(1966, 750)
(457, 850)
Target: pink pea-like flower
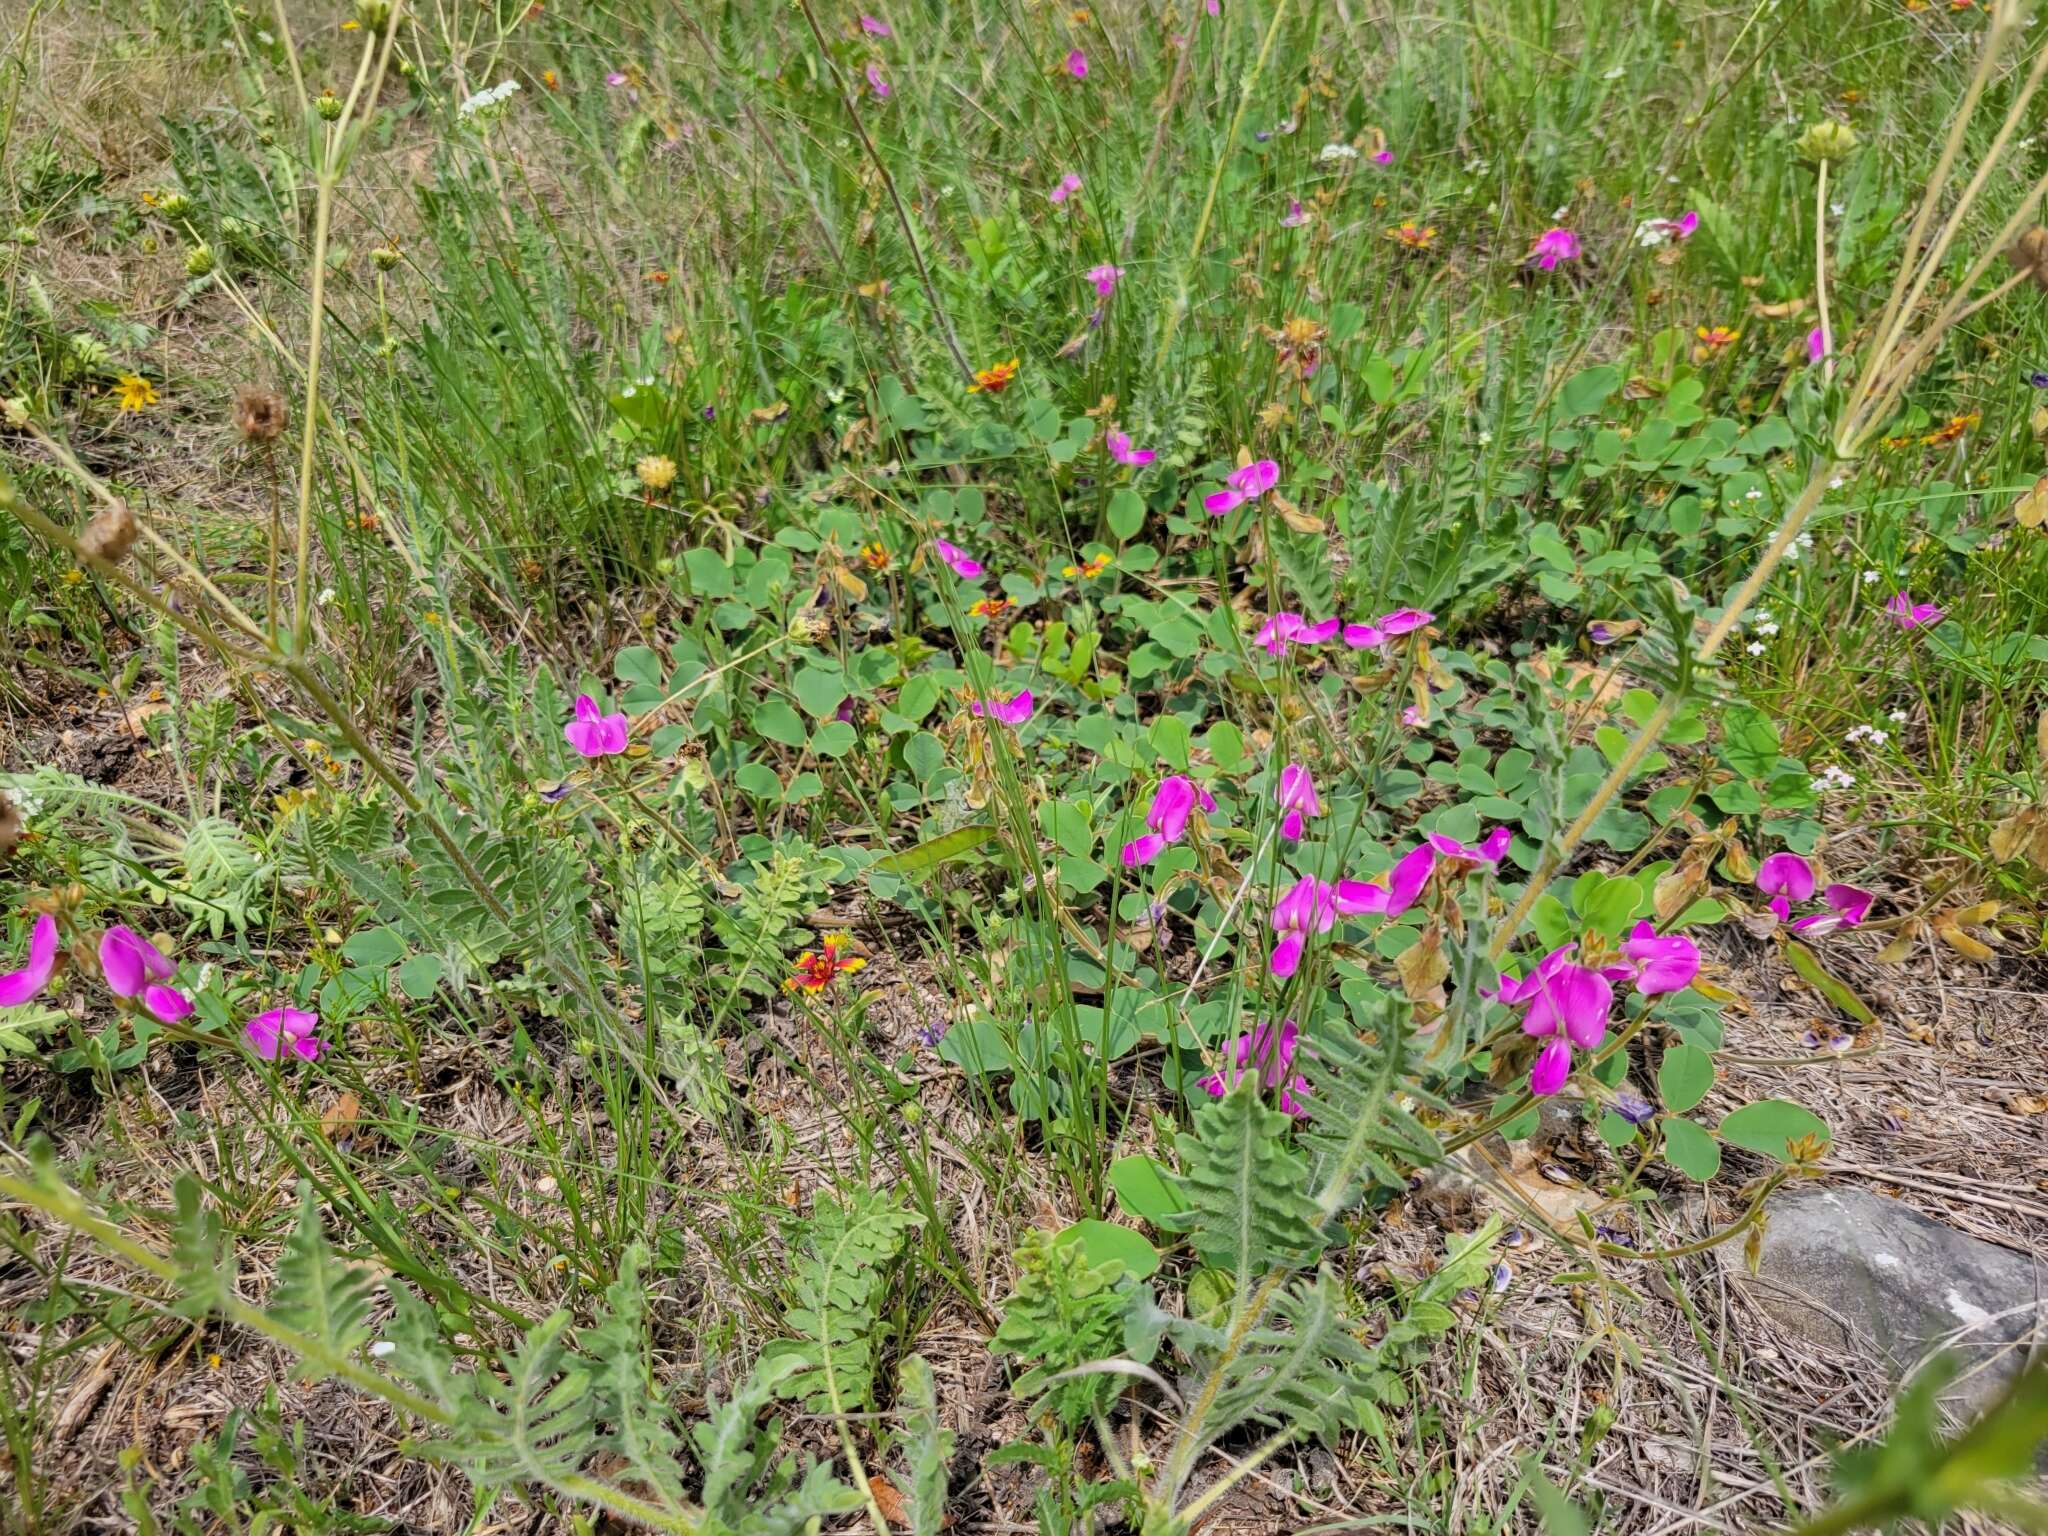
(874, 26)
(1659, 963)
(135, 968)
(1077, 64)
(1391, 894)
(1296, 797)
(1573, 999)
(1488, 852)
(964, 565)
(1104, 277)
(1553, 1066)
(1816, 344)
(1013, 712)
(1908, 614)
(876, 83)
(1295, 216)
(1172, 804)
(1317, 633)
(1848, 905)
(1241, 485)
(1364, 637)
(1552, 247)
(615, 79)
(1120, 449)
(1067, 186)
(593, 733)
(1307, 906)
(1278, 632)
(1785, 878)
(1267, 1051)
(1403, 621)
(17, 987)
(1383, 157)
(270, 1035)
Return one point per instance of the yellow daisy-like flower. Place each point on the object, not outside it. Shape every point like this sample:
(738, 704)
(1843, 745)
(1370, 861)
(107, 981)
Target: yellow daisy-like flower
(993, 380)
(133, 392)
(657, 471)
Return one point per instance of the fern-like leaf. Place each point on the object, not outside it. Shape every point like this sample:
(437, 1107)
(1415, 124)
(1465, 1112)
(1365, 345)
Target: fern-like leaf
(1355, 1082)
(1247, 1193)
(318, 1294)
(839, 1285)
(927, 1448)
(641, 1430)
(206, 1264)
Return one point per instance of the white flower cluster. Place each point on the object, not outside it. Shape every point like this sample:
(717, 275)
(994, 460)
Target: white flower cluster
(1655, 232)
(1799, 546)
(1876, 735)
(1834, 776)
(1339, 152)
(488, 103)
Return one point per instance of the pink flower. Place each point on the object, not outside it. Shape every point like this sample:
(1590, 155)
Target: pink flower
(1120, 449)
(1383, 157)
(1104, 278)
(271, 1034)
(1848, 905)
(1215, 8)
(1295, 216)
(17, 987)
(135, 968)
(1413, 717)
(1515, 991)
(593, 733)
(1574, 999)
(1553, 1066)
(874, 26)
(615, 79)
(1172, 804)
(1242, 485)
(1267, 1051)
(1316, 634)
(1908, 614)
(876, 82)
(1658, 231)
(1364, 637)
(1553, 246)
(167, 1003)
(1816, 344)
(1402, 620)
(1308, 906)
(965, 566)
(1276, 633)
(1077, 64)
(1296, 798)
(1015, 712)
(1391, 894)
(1659, 963)
(1069, 184)
(1785, 878)
(1488, 852)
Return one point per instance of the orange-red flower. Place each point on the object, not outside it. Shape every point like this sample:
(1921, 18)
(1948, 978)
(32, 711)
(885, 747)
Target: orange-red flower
(988, 607)
(1091, 568)
(815, 970)
(1417, 237)
(874, 557)
(1712, 339)
(993, 380)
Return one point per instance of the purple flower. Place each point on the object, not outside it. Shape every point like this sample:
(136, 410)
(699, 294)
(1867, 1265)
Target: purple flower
(1383, 157)
(1553, 1066)
(1364, 637)
(1816, 344)
(1120, 449)
(1657, 963)
(1785, 878)
(965, 566)
(1309, 905)
(1270, 1053)
(1553, 246)
(874, 26)
(876, 82)
(1488, 852)
(1015, 712)
(1568, 1004)
(1295, 217)
(1172, 804)
(1069, 184)
(1296, 798)
(1077, 64)
(1848, 905)
(17, 987)
(1104, 278)
(1393, 893)
(271, 1034)
(1277, 632)
(1241, 485)
(1633, 1108)
(1908, 614)
(593, 733)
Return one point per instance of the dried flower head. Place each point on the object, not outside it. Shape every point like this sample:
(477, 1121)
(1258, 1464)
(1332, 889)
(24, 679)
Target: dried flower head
(260, 414)
(111, 534)
(2029, 253)
(10, 828)
(657, 471)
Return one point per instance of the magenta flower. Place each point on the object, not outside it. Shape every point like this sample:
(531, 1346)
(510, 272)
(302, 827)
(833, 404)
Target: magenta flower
(1295, 216)
(1553, 1066)
(1488, 852)
(1658, 963)
(1553, 246)
(1278, 631)
(1517, 990)
(1659, 231)
(1015, 712)
(1364, 637)
(1402, 620)
(615, 79)
(1309, 905)
(1172, 804)
(1573, 999)
(1908, 614)
(876, 82)
(1104, 278)
(135, 968)
(17, 987)
(874, 26)
(271, 1034)
(964, 565)
(1270, 1053)
(1816, 344)
(1316, 634)
(1069, 184)
(1383, 157)
(1296, 797)
(1077, 64)
(1215, 8)
(1120, 449)
(1391, 894)
(1848, 905)
(593, 733)
(1242, 485)
(1785, 878)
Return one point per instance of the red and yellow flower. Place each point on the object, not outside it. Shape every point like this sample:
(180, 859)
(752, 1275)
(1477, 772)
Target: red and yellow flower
(1417, 237)
(993, 380)
(817, 969)
(988, 607)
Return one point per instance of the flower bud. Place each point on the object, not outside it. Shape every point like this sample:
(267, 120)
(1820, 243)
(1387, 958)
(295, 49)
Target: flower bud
(1826, 140)
(173, 205)
(373, 14)
(14, 411)
(384, 257)
(110, 535)
(199, 261)
(328, 105)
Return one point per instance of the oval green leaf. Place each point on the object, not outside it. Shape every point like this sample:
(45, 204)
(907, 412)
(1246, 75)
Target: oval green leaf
(1684, 1077)
(1104, 1242)
(1769, 1124)
(1691, 1150)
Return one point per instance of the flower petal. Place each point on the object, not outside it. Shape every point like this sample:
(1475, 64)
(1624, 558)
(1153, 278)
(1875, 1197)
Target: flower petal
(17, 987)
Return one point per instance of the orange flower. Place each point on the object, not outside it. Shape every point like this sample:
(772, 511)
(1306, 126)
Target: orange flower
(657, 277)
(874, 557)
(1950, 430)
(1712, 340)
(1417, 237)
(1093, 567)
(993, 380)
(815, 970)
(988, 607)
(550, 79)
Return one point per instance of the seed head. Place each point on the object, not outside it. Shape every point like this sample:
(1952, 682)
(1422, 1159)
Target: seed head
(111, 534)
(1826, 140)
(2029, 253)
(260, 414)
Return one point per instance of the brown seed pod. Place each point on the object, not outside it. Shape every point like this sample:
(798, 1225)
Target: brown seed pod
(10, 829)
(111, 534)
(260, 414)
(2029, 253)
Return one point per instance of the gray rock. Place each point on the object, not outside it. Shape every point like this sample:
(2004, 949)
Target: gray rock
(1854, 1272)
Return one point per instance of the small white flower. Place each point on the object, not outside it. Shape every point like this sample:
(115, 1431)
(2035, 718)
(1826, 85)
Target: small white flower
(1485, 438)
(1560, 211)
(381, 1348)
(1754, 493)
(1792, 551)
(1767, 629)
(1755, 647)
(1763, 615)
(1898, 717)
(1339, 152)
(1615, 73)
(1837, 209)
(1870, 578)
(326, 596)
(1837, 483)
(1879, 737)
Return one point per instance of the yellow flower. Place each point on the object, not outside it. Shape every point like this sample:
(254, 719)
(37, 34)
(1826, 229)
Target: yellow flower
(1416, 237)
(134, 392)
(993, 380)
(988, 607)
(657, 471)
(874, 557)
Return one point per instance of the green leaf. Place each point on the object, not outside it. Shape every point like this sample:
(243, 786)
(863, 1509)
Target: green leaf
(1769, 1124)
(1611, 906)
(1817, 976)
(373, 949)
(1749, 742)
(779, 723)
(1247, 1189)
(639, 664)
(1066, 823)
(930, 854)
(1586, 391)
(819, 691)
(977, 1047)
(924, 755)
(1147, 1191)
(418, 977)
(927, 1448)
(1689, 1149)
(837, 1293)
(1125, 514)
(318, 1294)
(1684, 1077)
(1104, 1242)
(1226, 745)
